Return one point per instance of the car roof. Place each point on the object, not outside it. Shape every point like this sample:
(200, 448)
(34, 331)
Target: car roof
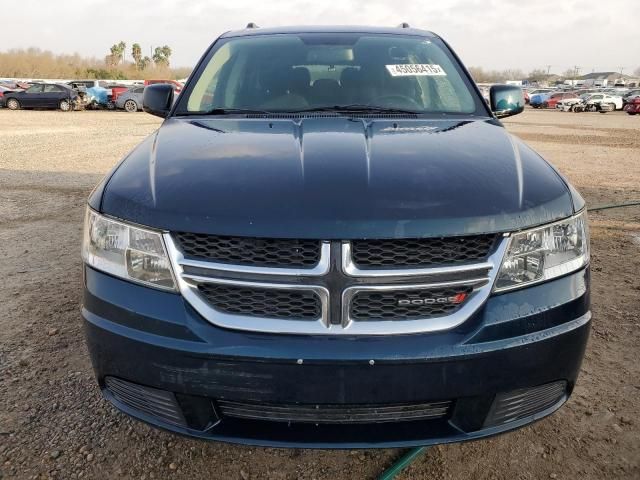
(246, 32)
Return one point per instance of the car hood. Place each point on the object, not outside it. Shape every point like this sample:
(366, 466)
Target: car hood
(334, 178)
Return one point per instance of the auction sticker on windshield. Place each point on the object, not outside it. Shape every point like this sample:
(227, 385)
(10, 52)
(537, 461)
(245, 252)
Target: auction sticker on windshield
(415, 69)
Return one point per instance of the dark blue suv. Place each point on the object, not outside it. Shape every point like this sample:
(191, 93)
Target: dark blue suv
(333, 242)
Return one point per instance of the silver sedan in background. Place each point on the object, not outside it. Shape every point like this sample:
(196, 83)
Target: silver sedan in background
(131, 100)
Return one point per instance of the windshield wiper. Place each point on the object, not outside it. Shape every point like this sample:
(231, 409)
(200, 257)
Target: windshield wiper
(229, 111)
(356, 108)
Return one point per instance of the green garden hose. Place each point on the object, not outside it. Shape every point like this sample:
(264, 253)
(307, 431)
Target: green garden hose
(632, 203)
(400, 464)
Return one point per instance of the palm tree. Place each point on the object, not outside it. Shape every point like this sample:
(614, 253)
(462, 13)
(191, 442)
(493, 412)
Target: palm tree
(136, 53)
(161, 56)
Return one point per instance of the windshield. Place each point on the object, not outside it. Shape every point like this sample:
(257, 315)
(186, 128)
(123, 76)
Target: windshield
(297, 72)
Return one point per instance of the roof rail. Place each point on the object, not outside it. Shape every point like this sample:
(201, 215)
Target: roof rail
(404, 25)
(252, 25)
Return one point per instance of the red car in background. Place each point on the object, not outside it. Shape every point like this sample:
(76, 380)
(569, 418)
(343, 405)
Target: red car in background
(177, 86)
(554, 98)
(633, 106)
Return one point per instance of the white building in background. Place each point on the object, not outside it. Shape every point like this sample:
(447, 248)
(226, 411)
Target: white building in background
(608, 79)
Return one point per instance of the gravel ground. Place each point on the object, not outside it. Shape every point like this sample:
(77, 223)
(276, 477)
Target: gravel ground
(53, 423)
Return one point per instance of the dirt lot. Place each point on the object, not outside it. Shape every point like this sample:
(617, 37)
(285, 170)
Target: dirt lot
(53, 422)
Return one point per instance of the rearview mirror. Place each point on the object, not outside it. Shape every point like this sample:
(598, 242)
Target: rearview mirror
(506, 100)
(158, 99)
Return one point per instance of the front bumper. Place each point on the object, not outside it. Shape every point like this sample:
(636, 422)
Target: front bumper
(518, 340)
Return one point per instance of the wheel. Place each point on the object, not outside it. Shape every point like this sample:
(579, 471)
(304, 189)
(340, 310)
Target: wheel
(111, 106)
(631, 113)
(13, 104)
(131, 106)
(65, 105)
(545, 105)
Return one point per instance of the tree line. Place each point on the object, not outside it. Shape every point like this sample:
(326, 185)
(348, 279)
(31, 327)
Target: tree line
(37, 63)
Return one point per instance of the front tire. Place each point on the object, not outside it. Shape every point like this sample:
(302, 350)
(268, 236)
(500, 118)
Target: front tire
(130, 106)
(65, 105)
(13, 104)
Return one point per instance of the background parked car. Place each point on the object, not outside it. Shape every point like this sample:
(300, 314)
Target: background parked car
(131, 100)
(177, 86)
(116, 91)
(97, 93)
(537, 99)
(567, 101)
(554, 98)
(603, 98)
(43, 95)
(3, 90)
(630, 96)
(633, 106)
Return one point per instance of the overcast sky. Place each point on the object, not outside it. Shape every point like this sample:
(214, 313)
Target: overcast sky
(495, 34)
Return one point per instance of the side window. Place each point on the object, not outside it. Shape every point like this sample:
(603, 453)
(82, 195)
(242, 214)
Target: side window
(139, 90)
(51, 88)
(34, 89)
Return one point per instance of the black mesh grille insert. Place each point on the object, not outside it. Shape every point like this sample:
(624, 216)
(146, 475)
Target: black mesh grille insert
(421, 252)
(260, 252)
(328, 414)
(263, 302)
(407, 304)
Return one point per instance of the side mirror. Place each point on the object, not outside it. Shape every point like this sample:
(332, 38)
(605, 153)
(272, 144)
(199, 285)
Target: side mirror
(157, 99)
(506, 100)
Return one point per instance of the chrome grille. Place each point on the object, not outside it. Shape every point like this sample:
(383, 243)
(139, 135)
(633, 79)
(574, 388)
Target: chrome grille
(263, 302)
(421, 252)
(334, 414)
(407, 305)
(335, 296)
(261, 252)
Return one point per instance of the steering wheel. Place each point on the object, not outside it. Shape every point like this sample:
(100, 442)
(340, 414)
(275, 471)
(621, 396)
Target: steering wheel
(393, 99)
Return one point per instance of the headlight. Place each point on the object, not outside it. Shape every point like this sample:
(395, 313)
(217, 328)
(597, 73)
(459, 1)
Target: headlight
(544, 253)
(125, 251)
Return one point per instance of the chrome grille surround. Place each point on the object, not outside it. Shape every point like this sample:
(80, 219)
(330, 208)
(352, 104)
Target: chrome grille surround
(335, 272)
